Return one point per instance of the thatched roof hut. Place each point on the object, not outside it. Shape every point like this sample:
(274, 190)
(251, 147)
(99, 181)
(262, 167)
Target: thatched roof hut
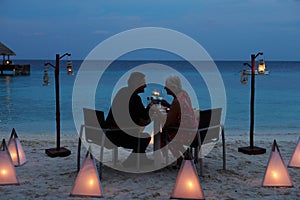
(5, 51)
(7, 67)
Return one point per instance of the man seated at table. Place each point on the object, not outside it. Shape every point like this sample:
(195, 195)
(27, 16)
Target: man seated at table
(128, 114)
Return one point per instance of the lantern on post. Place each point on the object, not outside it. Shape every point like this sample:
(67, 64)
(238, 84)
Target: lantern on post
(87, 182)
(295, 160)
(8, 175)
(261, 68)
(16, 150)
(46, 78)
(276, 174)
(69, 67)
(187, 184)
(251, 149)
(57, 151)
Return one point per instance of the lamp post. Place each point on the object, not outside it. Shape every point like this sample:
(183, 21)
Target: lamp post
(252, 150)
(58, 151)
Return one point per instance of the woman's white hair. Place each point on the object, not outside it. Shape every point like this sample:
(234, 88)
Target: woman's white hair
(174, 84)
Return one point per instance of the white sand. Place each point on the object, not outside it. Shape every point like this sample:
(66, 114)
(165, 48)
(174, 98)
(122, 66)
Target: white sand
(43, 177)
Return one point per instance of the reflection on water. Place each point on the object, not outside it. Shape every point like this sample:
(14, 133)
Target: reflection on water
(6, 99)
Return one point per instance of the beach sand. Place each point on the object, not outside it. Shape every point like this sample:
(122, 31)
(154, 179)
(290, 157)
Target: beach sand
(43, 177)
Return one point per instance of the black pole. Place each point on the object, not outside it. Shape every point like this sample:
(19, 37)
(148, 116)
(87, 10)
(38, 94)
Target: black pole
(57, 103)
(252, 100)
(58, 151)
(252, 150)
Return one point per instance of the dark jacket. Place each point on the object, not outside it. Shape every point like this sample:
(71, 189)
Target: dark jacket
(127, 110)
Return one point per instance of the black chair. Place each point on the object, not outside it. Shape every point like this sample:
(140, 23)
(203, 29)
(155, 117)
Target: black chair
(94, 133)
(209, 129)
(94, 130)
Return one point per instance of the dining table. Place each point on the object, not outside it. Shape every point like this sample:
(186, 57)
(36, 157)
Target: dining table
(157, 129)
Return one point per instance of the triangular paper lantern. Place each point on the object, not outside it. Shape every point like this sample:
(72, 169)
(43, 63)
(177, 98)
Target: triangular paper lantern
(276, 174)
(87, 182)
(187, 184)
(16, 150)
(295, 160)
(8, 174)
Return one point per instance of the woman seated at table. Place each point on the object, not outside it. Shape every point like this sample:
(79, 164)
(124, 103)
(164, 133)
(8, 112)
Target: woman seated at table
(180, 118)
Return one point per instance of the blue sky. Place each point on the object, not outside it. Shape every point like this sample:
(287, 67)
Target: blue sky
(227, 29)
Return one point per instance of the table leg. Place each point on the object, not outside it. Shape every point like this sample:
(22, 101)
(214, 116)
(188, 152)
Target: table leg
(156, 147)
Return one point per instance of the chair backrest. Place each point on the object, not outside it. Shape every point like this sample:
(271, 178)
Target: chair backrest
(210, 123)
(94, 122)
(94, 118)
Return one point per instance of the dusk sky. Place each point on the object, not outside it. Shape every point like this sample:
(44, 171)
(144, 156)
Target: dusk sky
(227, 29)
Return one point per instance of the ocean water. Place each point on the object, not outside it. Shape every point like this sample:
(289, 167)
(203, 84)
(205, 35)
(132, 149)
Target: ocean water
(29, 107)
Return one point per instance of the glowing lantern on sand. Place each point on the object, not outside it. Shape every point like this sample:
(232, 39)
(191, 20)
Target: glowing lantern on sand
(8, 174)
(187, 184)
(87, 182)
(16, 150)
(276, 174)
(295, 160)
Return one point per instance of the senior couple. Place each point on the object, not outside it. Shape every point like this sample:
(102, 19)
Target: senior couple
(128, 114)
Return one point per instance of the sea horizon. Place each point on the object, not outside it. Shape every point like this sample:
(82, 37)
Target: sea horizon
(133, 59)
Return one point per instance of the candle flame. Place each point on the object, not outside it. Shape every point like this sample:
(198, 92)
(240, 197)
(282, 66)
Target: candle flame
(190, 184)
(155, 93)
(152, 140)
(91, 182)
(275, 174)
(13, 155)
(3, 171)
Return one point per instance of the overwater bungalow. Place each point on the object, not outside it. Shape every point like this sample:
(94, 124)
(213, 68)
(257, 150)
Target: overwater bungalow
(7, 67)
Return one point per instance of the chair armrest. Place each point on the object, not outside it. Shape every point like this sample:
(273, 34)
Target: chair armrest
(210, 127)
(106, 129)
(198, 130)
(119, 129)
(183, 129)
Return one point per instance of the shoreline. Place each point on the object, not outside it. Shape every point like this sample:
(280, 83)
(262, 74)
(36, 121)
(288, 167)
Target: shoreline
(68, 133)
